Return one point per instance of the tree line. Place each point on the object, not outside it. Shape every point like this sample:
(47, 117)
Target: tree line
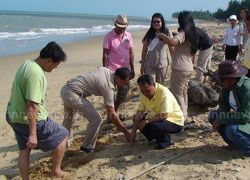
(234, 7)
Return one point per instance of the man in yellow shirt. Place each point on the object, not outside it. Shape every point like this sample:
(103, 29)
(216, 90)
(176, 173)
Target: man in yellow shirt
(159, 113)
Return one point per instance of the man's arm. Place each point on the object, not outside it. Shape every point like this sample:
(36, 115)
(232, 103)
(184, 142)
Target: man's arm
(156, 118)
(105, 56)
(131, 62)
(242, 116)
(32, 109)
(117, 122)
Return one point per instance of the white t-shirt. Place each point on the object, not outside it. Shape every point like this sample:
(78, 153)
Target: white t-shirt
(232, 101)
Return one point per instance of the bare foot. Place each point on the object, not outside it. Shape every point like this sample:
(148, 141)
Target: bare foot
(57, 174)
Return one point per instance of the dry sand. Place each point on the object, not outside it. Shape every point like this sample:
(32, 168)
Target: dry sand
(114, 157)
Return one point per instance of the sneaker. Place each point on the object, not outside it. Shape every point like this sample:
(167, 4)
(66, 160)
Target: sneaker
(86, 150)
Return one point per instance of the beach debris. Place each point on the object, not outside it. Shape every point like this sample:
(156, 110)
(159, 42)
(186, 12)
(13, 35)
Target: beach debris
(213, 161)
(202, 94)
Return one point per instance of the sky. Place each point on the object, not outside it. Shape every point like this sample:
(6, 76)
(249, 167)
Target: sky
(142, 8)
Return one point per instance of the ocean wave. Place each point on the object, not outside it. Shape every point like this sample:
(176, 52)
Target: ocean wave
(43, 32)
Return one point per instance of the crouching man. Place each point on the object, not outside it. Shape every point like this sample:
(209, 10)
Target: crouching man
(99, 82)
(232, 119)
(159, 113)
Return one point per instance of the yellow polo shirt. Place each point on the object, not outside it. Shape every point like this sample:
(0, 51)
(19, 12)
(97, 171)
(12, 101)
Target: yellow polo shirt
(162, 102)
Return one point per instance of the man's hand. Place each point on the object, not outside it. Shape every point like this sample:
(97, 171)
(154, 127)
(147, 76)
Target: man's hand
(32, 110)
(137, 118)
(32, 141)
(132, 75)
(223, 47)
(128, 136)
(216, 125)
(240, 49)
(142, 124)
(133, 136)
(117, 122)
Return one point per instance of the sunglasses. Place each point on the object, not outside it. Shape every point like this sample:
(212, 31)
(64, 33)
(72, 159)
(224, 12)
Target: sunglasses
(156, 22)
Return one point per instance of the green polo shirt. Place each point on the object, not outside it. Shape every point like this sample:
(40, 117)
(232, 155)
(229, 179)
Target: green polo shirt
(241, 92)
(29, 84)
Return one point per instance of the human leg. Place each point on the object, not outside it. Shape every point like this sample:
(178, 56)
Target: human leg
(151, 71)
(57, 157)
(68, 120)
(50, 136)
(122, 94)
(67, 96)
(203, 62)
(23, 163)
(231, 52)
(87, 110)
(53, 136)
(179, 87)
(213, 116)
(161, 75)
(160, 131)
(238, 138)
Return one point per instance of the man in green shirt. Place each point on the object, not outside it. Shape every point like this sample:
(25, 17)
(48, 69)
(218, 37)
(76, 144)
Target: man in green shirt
(232, 119)
(27, 115)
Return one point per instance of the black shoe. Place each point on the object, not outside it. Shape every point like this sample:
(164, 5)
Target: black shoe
(86, 150)
(164, 145)
(152, 142)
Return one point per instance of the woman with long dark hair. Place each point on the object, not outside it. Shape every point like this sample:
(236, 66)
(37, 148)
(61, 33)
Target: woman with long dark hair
(245, 22)
(244, 17)
(155, 52)
(185, 46)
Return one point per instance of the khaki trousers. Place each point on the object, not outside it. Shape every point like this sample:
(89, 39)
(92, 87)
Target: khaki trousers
(204, 62)
(159, 74)
(179, 86)
(74, 103)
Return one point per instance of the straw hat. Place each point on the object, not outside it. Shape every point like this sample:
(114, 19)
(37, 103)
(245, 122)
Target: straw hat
(121, 21)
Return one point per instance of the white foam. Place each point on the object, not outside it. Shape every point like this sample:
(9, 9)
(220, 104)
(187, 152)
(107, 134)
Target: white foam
(42, 32)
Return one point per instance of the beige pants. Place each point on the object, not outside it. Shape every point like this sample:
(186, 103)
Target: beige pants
(75, 103)
(179, 86)
(204, 62)
(159, 74)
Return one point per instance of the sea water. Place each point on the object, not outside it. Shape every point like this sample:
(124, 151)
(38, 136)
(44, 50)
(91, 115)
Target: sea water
(22, 32)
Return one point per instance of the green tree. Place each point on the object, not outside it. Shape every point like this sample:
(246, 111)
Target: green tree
(234, 7)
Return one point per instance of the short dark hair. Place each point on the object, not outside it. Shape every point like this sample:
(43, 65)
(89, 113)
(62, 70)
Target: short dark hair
(54, 51)
(145, 79)
(123, 73)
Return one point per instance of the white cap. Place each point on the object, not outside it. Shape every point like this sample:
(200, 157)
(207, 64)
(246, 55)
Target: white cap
(233, 17)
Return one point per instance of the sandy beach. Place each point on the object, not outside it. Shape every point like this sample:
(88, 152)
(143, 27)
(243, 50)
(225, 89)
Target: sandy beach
(207, 155)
